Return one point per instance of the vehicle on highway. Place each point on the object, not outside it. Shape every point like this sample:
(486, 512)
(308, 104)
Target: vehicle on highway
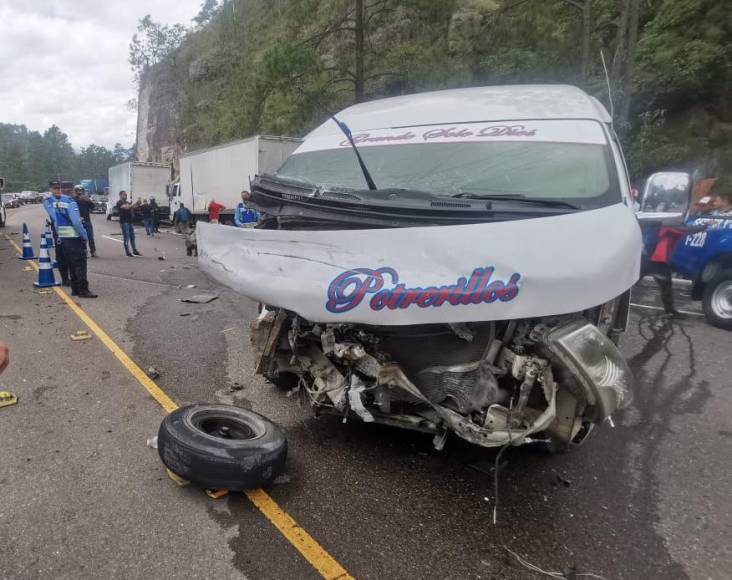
(704, 256)
(139, 180)
(100, 203)
(30, 197)
(220, 173)
(11, 200)
(450, 262)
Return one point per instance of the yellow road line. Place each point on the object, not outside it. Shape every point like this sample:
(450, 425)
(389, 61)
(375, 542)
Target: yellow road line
(303, 542)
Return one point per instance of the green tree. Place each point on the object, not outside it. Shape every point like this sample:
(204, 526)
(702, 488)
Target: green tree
(153, 43)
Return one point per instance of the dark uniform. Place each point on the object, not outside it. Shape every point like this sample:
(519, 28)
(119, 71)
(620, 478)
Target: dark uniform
(85, 206)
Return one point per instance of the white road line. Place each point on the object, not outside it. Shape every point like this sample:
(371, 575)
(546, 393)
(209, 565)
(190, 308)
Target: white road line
(113, 239)
(659, 308)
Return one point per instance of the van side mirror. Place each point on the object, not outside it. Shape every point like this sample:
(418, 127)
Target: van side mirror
(666, 197)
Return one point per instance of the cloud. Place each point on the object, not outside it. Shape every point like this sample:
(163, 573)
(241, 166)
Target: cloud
(64, 62)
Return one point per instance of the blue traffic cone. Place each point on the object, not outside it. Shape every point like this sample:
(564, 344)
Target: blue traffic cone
(49, 244)
(27, 246)
(45, 270)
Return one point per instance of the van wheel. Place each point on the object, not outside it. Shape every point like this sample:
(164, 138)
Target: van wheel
(222, 447)
(717, 300)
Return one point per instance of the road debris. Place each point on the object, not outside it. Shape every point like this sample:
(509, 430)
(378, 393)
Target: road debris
(236, 387)
(570, 574)
(7, 399)
(152, 442)
(81, 335)
(200, 298)
(161, 258)
(184, 314)
(560, 480)
(153, 373)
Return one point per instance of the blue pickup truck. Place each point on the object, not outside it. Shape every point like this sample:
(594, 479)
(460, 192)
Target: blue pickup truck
(704, 256)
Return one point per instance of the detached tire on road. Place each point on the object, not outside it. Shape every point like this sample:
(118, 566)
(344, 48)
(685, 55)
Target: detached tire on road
(222, 447)
(717, 300)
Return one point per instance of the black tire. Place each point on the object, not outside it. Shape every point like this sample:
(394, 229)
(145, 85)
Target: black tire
(190, 445)
(717, 300)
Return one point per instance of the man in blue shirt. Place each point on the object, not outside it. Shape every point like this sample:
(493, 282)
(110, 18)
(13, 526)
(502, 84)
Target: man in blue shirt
(245, 216)
(72, 238)
(182, 219)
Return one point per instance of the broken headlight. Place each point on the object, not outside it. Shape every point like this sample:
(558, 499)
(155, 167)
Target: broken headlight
(596, 363)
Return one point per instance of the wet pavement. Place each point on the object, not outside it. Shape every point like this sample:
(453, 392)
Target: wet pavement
(83, 496)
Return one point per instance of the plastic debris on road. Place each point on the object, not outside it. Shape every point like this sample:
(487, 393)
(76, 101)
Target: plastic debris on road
(153, 442)
(200, 298)
(153, 373)
(7, 399)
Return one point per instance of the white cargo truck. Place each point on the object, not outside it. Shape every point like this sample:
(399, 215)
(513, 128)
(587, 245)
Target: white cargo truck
(139, 180)
(220, 173)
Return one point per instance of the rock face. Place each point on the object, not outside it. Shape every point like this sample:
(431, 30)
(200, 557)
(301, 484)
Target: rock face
(158, 105)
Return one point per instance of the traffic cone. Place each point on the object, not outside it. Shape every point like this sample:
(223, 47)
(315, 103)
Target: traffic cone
(27, 246)
(49, 244)
(45, 270)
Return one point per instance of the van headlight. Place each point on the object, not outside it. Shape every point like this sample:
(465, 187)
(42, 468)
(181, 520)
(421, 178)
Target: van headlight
(596, 363)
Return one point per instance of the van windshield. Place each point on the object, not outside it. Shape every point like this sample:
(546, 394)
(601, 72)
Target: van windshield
(580, 173)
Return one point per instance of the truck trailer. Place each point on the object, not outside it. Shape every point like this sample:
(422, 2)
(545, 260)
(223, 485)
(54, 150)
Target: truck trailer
(220, 173)
(139, 180)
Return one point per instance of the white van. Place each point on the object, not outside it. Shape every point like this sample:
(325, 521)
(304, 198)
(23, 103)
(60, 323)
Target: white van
(457, 261)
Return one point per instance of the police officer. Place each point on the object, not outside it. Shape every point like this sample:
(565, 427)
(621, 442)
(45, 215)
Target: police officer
(85, 206)
(72, 236)
(245, 216)
(63, 269)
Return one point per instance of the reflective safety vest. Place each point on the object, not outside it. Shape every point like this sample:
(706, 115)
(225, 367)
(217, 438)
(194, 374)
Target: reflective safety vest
(64, 224)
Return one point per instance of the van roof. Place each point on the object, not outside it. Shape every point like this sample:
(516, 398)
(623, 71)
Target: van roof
(477, 104)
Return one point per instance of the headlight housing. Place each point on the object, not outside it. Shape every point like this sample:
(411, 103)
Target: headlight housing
(597, 364)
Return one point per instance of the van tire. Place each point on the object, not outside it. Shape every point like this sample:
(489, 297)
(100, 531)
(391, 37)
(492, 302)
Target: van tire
(191, 445)
(717, 300)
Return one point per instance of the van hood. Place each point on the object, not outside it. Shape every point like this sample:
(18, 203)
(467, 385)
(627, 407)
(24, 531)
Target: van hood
(440, 274)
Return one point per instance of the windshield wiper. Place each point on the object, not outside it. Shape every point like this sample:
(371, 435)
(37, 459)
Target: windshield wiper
(518, 197)
(347, 132)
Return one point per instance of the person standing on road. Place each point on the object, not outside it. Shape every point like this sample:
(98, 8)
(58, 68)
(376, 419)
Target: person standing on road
(147, 220)
(245, 216)
(214, 209)
(63, 268)
(85, 206)
(73, 238)
(182, 220)
(155, 211)
(126, 210)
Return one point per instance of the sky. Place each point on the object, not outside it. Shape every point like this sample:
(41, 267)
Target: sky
(64, 62)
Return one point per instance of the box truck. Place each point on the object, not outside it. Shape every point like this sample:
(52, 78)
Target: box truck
(220, 173)
(139, 180)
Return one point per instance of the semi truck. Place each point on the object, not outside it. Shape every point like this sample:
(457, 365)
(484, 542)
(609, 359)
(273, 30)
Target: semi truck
(95, 186)
(220, 173)
(139, 180)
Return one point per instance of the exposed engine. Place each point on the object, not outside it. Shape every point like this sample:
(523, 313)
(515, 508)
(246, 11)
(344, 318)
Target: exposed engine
(492, 383)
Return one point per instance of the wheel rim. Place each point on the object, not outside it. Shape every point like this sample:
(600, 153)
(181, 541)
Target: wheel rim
(227, 428)
(721, 301)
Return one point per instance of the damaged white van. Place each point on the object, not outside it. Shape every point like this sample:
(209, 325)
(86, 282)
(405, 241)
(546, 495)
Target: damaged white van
(449, 262)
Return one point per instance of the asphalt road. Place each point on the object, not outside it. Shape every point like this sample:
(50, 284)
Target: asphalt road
(83, 496)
